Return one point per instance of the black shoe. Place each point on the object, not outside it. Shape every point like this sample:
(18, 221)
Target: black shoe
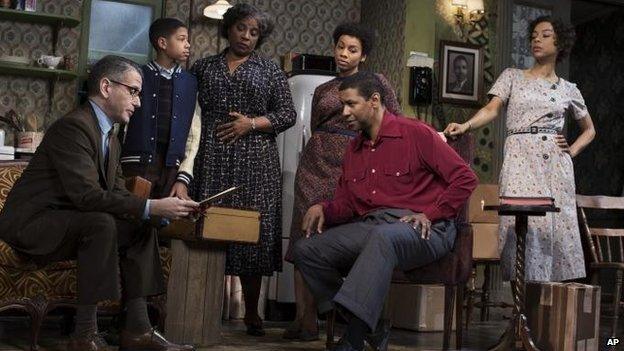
(255, 330)
(301, 335)
(378, 340)
(343, 345)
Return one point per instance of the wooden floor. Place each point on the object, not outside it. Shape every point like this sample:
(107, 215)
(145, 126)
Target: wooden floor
(14, 336)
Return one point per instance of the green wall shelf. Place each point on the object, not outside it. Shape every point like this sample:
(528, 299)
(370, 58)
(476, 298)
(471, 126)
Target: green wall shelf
(36, 72)
(38, 17)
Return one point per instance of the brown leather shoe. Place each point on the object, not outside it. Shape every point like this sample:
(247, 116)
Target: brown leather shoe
(150, 341)
(92, 342)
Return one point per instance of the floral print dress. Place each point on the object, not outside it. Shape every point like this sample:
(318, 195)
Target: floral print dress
(534, 165)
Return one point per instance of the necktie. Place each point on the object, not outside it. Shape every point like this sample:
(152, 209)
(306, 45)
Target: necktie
(109, 137)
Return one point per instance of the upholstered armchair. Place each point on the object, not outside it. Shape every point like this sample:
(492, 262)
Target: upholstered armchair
(39, 289)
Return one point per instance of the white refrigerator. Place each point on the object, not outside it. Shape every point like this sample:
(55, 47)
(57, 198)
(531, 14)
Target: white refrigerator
(290, 145)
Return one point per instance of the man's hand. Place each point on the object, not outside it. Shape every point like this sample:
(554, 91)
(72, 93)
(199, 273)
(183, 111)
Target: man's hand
(314, 216)
(180, 191)
(419, 220)
(232, 131)
(172, 207)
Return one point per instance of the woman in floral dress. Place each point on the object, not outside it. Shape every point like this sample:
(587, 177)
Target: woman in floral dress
(321, 160)
(537, 158)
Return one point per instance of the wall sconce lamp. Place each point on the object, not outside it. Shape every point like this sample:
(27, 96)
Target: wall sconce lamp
(217, 9)
(475, 10)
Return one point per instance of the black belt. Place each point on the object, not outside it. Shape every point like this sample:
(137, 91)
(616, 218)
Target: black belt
(532, 130)
(345, 132)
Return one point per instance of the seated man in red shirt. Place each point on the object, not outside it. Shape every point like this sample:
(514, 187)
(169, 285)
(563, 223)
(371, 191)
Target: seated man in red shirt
(394, 207)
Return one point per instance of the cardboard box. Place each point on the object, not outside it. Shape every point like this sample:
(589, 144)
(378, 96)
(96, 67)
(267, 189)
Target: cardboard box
(219, 224)
(563, 317)
(484, 194)
(29, 140)
(485, 241)
(417, 307)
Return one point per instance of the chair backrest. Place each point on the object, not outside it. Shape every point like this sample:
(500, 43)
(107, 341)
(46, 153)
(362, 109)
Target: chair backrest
(464, 146)
(9, 173)
(454, 268)
(604, 243)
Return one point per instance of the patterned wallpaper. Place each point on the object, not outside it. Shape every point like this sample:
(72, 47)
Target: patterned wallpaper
(481, 33)
(29, 95)
(522, 16)
(596, 59)
(301, 26)
(388, 56)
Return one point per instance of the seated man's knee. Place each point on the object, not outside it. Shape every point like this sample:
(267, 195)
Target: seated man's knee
(302, 250)
(379, 236)
(100, 223)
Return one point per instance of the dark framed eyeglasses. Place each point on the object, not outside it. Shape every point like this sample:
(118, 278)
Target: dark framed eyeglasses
(134, 92)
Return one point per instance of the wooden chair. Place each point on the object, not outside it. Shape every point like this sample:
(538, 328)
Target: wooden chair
(453, 270)
(485, 250)
(606, 246)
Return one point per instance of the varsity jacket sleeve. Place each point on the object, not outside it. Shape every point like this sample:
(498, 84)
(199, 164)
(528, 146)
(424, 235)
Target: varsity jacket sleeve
(185, 172)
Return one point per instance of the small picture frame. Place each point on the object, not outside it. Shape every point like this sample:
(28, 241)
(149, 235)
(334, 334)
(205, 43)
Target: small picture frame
(461, 73)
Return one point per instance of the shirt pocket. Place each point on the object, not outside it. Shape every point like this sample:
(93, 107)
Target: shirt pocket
(355, 176)
(398, 172)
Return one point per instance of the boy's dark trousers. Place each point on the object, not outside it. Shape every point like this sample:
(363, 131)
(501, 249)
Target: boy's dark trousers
(162, 179)
(161, 176)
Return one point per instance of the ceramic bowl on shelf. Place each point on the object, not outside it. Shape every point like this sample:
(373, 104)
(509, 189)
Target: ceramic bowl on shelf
(20, 60)
(49, 61)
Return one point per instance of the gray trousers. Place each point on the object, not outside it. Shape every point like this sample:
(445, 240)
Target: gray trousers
(365, 253)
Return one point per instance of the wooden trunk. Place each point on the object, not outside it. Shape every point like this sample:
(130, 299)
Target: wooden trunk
(195, 292)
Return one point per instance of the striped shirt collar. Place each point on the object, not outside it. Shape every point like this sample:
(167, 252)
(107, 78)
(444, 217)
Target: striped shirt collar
(166, 73)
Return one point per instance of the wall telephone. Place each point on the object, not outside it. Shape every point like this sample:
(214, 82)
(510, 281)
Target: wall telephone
(420, 85)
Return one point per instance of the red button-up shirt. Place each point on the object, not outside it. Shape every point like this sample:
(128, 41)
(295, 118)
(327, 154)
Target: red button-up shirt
(408, 166)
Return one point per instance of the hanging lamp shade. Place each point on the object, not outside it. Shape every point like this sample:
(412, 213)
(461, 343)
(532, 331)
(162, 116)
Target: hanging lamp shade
(217, 9)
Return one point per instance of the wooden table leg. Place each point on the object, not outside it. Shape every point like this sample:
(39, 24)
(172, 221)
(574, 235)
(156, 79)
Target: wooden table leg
(518, 335)
(195, 293)
(523, 335)
(485, 294)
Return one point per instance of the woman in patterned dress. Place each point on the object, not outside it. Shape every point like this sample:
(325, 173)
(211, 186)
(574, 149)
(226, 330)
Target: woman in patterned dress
(537, 158)
(321, 160)
(245, 102)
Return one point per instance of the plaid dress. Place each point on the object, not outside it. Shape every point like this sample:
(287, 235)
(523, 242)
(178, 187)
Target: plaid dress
(258, 87)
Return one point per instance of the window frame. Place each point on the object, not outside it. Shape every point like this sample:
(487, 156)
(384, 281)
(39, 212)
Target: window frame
(82, 66)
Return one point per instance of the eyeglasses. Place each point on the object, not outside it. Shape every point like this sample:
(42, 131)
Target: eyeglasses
(134, 92)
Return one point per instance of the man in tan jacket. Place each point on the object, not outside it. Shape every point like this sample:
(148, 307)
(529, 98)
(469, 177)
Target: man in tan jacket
(71, 203)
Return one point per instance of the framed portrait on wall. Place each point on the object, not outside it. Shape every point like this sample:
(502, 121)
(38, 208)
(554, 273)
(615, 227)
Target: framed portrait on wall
(461, 73)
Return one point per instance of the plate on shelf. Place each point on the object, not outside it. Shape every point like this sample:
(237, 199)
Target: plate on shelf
(19, 60)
